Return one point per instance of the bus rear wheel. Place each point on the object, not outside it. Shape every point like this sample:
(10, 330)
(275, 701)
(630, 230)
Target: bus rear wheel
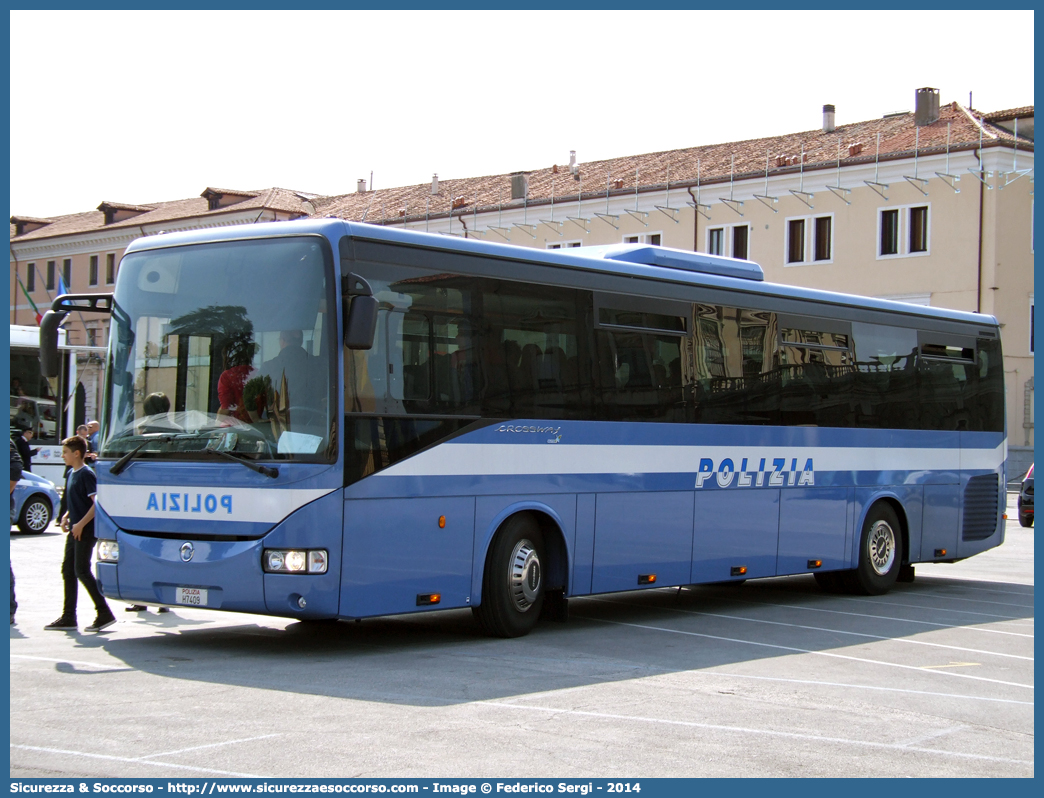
(513, 584)
(880, 553)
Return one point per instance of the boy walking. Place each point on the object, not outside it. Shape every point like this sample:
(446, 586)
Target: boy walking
(78, 522)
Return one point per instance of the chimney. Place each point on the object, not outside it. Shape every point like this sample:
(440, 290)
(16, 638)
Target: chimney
(574, 168)
(828, 119)
(927, 107)
(519, 185)
(435, 183)
(360, 186)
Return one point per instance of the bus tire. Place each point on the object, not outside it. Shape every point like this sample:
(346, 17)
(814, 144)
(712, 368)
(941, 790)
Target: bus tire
(35, 515)
(880, 553)
(513, 583)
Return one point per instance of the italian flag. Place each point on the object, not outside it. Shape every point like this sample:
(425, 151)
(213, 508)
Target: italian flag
(31, 303)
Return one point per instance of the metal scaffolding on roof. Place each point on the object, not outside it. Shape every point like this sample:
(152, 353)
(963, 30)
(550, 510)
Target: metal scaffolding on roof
(801, 194)
(701, 209)
(667, 210)
(766, 199)
(605, 217)
(734, 204)
(637, 214)
(839, 191)
(916, 181)
(949, 179)
(879, 187)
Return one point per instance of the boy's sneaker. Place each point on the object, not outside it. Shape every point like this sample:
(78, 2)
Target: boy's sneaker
(62, 624)
(101, 622)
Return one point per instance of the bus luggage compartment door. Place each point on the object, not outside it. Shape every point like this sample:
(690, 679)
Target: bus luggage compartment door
(398, 550)
(639, 535)
(813, 525)
(735, 530)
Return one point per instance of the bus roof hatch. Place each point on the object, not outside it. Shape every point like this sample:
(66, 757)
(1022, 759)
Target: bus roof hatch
(669, 258)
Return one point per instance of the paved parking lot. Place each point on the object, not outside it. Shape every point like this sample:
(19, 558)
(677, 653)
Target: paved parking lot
(771, 678)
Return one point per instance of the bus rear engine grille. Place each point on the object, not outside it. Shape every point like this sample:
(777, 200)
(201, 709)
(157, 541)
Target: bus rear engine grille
(981, 500)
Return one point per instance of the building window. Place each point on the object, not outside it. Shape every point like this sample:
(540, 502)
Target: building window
(110, 268)
(796, 241)
(730, 241)
(647, 238)
(904, 231)
(30, 277)
(810, 239)
(50, 275)
(740, 236)
(67, 273)
(93, 271)
(564, 245)
(823, 237)
(889, 232)
(919, 229)
(716, 241)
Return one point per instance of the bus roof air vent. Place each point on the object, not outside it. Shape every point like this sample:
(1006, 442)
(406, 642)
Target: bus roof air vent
(678, 259)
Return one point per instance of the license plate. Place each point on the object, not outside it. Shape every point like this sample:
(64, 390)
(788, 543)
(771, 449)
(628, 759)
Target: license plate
(193, 596)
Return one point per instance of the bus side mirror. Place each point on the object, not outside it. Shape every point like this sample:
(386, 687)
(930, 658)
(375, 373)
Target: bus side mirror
(49, 343)
(361, 325)
(360, 322)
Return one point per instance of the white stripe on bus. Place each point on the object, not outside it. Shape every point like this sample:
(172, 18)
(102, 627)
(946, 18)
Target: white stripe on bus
(259, 505)
(464, 459)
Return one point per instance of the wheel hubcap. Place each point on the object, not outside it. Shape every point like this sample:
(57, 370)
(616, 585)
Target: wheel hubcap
(37, 516)
(524, 575)
(881, 547)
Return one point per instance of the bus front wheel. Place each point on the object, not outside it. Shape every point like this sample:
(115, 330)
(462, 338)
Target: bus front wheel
(513, 584)
(880, 553)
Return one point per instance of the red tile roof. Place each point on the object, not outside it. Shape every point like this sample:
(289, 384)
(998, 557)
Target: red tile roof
(275, 199)
(680, 169)
(707, 164)
(1022, 112)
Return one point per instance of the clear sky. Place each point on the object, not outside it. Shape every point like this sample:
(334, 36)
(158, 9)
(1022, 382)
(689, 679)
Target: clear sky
(145, 106)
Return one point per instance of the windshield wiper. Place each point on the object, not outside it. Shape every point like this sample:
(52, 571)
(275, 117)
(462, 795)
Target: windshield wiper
(119, 466)
(265, 470)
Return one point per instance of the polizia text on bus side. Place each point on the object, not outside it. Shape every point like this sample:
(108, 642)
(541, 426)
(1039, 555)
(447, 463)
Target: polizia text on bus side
(322, 419)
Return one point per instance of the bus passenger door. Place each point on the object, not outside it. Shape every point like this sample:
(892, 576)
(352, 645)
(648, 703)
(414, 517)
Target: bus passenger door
(397, 551)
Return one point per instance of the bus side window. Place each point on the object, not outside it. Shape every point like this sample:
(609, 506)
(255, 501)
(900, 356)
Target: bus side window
(416, 358)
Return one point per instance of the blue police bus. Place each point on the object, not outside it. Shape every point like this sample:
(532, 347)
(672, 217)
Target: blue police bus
(321, 419)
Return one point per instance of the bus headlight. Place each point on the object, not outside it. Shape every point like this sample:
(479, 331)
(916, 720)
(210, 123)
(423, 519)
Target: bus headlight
(108, 551)
(294, 561)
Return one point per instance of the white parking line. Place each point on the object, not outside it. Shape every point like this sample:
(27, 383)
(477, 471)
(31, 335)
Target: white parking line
(796, 650)
(886, 618)
(134, 760)
(810, 682)
(210, 745)
(952, 585)
(960, 697)
(77, 663)
(830, 631)
(878, 601)
(763, 732)
(973, 601)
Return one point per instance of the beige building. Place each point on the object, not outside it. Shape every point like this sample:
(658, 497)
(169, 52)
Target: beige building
(932, 206)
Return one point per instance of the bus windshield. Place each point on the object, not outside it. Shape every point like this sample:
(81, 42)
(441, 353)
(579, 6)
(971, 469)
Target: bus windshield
(224, 346)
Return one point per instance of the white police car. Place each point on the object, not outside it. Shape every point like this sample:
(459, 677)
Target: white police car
(35, 501)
